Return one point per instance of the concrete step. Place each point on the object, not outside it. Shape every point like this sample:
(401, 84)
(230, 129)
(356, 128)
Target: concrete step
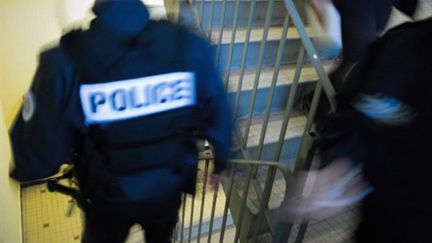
(295, 128)
(275, 33)
(215, 234)
(292, 137)
(279, 12)
(292, 44)
(229, 236)
(308, 78)
(290, 54)
(285, 76)
(189, 16)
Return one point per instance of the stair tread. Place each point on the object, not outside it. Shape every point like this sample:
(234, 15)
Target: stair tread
(285, 76)
(253, 204)
(275, 33)
(198, 3)
(295, 128)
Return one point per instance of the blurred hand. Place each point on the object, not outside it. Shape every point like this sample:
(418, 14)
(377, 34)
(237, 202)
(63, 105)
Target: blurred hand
(318, 7)
(320, 194)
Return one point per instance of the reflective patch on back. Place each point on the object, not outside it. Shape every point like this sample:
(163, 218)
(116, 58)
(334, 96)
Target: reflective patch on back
(29, 106)
(385, 110)
(126, 99)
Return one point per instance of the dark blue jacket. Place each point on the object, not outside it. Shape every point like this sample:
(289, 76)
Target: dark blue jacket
(121, 44)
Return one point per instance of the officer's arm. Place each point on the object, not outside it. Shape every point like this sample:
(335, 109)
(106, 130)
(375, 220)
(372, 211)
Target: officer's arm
(40, 137)
(218, 126)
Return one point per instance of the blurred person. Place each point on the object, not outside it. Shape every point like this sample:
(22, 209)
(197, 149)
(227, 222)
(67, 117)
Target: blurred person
(381, 126)
(125, 102)
(362, 22)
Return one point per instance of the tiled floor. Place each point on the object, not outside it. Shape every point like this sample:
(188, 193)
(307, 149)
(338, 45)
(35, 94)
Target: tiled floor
(44, 217)
(45, 220)
(337, 229)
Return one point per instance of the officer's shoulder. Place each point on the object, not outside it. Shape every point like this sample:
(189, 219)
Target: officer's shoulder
(49, 51)
(55, 51)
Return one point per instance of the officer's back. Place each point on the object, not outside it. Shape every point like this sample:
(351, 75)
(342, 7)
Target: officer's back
(125, 101)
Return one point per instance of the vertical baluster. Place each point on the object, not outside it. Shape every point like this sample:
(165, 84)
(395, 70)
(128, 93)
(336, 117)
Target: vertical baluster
(244, 56)
(183, 218)
(203, 200)
(210, 25)
(201, 17)
(232, 43)
(221, 30)
(244, 201)
(290, 104)
(191, 219)
(312, 53)
(278, 63)
(258, 70)
(227, 202)
(215, 195)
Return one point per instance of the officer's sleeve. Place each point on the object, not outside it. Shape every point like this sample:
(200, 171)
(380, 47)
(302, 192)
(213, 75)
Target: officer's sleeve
(40, 137)
(218, 127)
(338, 138)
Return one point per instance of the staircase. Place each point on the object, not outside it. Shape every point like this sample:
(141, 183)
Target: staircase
(266, 72)
(239, 42)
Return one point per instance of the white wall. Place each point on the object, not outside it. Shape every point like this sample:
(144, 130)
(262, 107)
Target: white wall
(25, 26)
(10, 210)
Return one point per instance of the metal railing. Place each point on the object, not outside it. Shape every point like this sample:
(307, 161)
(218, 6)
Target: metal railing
(208, 215)
(307, 53)
(264, 185)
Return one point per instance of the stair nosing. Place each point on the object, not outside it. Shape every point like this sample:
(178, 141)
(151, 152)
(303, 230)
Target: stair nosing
(267, 75)
(292, 132)
(275, 33)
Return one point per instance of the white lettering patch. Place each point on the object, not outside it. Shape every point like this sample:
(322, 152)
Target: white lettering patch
(125, 99)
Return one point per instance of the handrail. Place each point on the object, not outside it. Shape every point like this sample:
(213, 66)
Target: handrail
(196, 204)
(312, 53)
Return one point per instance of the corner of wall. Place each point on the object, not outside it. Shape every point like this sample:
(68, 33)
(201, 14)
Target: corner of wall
(10, 205)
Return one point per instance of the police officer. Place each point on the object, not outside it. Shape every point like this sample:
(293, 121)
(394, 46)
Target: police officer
(382, 123)
(362, 22)
(125, 102)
